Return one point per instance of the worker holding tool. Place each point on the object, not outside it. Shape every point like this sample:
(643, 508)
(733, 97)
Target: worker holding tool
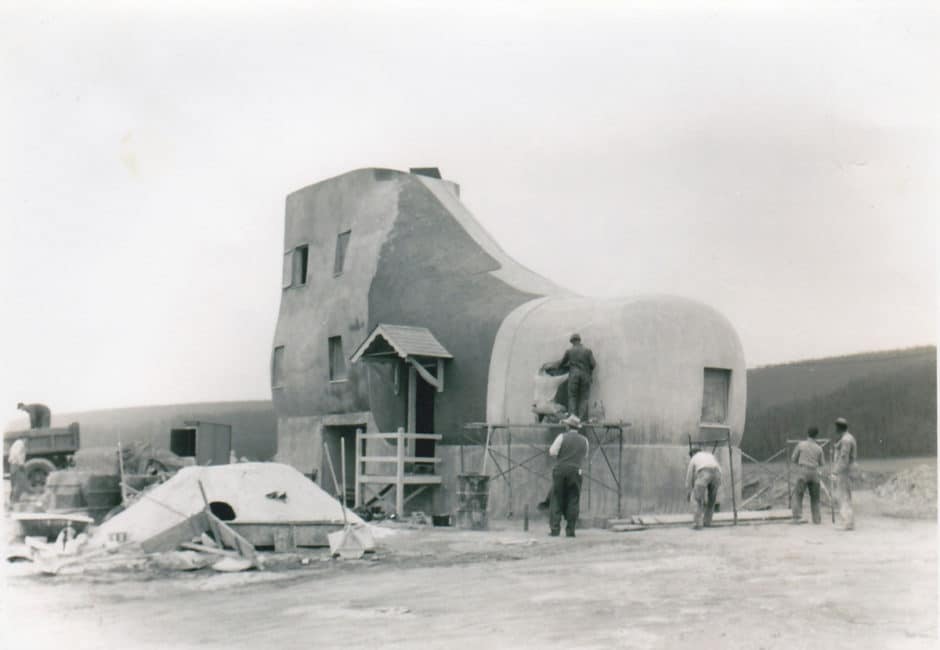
(579, 363)
(808, 457)
(702, 479)
(569, 449)
(844, 462)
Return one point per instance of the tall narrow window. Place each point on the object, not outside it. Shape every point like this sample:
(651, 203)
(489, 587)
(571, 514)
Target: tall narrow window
(715, 395)
(337, 359)
(277, 367)
(342, 243)
(300, 265)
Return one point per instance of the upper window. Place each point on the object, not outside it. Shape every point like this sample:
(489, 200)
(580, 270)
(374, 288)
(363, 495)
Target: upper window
(277, 367)
(715, 395)
(300, 265)
(337, 359)
(342, 243)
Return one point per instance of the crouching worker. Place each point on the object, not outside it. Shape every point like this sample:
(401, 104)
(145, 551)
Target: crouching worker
(570, 449)
(702, 478)
(808, 458)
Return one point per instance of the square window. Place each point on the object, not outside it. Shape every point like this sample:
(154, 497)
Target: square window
(300, 265)
(342, 243)
(337, 359)
(277, 367)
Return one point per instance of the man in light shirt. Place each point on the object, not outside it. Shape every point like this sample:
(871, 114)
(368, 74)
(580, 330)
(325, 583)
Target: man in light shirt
(808, 458)
(570, 449)
(845, 452)
(16, 459)
(702, 478)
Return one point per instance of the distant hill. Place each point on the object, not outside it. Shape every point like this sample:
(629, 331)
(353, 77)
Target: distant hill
(889, 398)
(254, 426)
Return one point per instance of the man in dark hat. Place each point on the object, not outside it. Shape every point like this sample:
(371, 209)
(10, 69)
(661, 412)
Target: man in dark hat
(579, 363)
(808, 458)
(570, 449)
(844, 457)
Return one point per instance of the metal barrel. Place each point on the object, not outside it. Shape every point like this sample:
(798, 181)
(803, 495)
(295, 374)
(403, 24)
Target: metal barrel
(473, 491)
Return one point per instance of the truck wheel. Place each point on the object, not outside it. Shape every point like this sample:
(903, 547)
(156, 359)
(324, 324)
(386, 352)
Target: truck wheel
(37, 471)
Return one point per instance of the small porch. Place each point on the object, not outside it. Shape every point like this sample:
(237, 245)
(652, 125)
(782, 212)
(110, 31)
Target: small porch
(406, 461)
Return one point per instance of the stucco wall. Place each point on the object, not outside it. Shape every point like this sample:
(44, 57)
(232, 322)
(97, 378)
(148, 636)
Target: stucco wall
(300, 441)
(432, 273)
(651, 354)
(365, 203)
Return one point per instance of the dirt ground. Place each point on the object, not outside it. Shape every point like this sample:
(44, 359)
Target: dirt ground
(757, 587)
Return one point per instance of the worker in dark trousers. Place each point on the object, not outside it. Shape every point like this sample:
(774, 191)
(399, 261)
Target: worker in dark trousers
(569, 449)
(38, 415)
(579, 363)
(808, 458)
(702, 479)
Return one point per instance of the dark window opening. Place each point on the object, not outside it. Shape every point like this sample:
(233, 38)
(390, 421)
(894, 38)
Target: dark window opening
(222, 510)
(183, 442)
(300, 265)
(277, 367)
(715, 395)
(337, 359)
(342, 243)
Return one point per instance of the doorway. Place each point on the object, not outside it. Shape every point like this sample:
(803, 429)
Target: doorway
(424, 423)
(334, 436)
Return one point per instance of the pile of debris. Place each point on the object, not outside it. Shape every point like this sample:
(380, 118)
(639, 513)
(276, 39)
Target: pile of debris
(910, 493)
(215, 516)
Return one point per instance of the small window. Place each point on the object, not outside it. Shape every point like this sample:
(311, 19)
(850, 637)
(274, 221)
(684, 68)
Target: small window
(715, 395)
(300, 265)
(342, 243)
(277, 367)
(337, 359)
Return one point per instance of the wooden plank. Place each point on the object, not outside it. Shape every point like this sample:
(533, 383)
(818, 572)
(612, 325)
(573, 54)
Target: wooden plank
(231, 538)
(425, 375)
(357, 487)
(400, 469)
(284, 539)
(416, 493)
(683, 519)
(408, 436)
(202, 548)
(185, 531)
(412, 399)
(394, 459)
(304, 534)
(407, 479)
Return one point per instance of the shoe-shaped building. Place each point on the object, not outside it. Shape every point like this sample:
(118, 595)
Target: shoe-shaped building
(399, 310)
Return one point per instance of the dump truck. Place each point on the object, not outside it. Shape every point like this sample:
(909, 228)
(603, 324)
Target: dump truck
(47, 449)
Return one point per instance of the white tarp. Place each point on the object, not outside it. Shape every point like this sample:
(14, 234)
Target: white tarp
(243, 486)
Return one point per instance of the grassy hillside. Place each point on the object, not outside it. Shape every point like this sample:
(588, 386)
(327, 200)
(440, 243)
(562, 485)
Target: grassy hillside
(770, 386)
(254, 427)
(889, 398)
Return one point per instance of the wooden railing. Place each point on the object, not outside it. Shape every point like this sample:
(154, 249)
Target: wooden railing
(399, 478)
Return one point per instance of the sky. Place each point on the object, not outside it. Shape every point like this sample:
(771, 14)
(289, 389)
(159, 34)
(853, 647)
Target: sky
(777, 163)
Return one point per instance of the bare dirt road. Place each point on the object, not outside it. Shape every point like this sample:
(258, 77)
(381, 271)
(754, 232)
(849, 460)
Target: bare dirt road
(765, 586)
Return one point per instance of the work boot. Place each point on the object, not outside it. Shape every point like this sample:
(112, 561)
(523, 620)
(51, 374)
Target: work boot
(554, 533)
(569, 533)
